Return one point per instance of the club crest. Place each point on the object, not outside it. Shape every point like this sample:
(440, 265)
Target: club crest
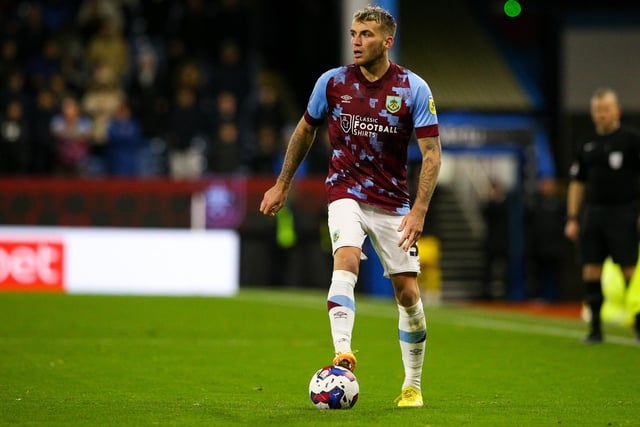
(393, 103)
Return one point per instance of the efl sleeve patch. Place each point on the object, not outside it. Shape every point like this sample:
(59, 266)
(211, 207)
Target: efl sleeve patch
(432, 105)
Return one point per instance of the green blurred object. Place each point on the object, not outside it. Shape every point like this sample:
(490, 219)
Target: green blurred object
(285, 228)
(512, 8)
(620, 303)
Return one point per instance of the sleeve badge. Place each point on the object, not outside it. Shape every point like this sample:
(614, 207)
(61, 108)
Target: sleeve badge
(432, 105)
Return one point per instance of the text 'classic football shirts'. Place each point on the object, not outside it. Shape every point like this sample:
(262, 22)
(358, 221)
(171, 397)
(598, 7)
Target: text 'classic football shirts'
(370, 125)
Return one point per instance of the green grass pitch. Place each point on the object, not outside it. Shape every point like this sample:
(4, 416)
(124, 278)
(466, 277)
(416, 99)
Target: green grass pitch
(80, 360)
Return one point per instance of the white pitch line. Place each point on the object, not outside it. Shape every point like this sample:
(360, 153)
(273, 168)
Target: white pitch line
(467, 321)
(504, 325)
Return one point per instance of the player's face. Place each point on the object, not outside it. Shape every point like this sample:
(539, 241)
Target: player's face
(368, 44)
(605, 113)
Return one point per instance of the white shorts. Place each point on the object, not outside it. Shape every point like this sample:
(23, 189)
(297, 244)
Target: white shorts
(350, 222)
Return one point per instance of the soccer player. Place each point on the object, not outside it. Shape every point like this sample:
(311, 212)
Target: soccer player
(602, 211)
(372, 107)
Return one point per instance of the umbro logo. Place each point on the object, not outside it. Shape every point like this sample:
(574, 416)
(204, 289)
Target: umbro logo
(340, 315)
(346, 98)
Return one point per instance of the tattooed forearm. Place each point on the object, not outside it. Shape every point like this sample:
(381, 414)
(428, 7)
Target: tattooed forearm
(430, 169)
(298, 147)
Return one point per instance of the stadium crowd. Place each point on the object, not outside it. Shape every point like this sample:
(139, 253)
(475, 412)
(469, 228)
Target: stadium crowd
(138, 88)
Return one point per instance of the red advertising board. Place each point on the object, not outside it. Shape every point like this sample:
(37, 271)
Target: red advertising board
(31, 265)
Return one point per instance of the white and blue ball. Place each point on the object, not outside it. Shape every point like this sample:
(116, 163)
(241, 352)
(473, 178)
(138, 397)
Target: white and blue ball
(334, 387)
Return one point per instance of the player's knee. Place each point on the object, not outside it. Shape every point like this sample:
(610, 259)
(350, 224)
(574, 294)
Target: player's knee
(407, 291)
(347, 258)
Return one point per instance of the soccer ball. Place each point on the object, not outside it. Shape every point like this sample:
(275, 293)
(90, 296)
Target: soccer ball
(333, 387)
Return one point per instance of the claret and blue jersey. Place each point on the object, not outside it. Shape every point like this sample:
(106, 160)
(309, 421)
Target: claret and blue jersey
(370, 125)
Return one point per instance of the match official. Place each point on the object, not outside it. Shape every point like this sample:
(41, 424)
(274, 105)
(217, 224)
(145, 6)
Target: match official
(602, 209)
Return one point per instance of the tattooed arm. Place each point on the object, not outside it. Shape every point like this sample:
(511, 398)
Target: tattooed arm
(297, 149)
(413, 223)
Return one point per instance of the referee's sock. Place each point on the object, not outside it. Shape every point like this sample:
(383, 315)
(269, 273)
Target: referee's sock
(594, 298)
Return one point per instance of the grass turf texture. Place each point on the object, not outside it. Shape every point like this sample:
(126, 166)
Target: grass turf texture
(77, 360)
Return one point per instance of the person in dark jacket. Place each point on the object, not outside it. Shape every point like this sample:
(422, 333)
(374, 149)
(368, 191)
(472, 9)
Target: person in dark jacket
(124, 142)
(545, 241)
(602, 209)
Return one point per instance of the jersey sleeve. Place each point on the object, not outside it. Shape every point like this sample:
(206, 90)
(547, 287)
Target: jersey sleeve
(576, 169)
(425, 118)
(318, 106)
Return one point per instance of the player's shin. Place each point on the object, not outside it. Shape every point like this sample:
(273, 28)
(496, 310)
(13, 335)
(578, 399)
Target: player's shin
(341, 307)
(412, 331)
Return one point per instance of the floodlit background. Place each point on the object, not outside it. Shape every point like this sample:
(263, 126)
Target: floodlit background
(185, 108)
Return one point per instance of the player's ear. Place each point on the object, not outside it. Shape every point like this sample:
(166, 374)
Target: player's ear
(388, 42)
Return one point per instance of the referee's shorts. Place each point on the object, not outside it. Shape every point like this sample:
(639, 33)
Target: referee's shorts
(609, 230)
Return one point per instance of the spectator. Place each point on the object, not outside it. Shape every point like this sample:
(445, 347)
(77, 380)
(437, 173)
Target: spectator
(71, 132)
(124, 142)
(59, 87)
(226, 108)
(190, 75)
(495, 212)
(14, 140)
(271, 107)
(42, 157)
(14, 89)
(185, 137)
(546, 244)
(266, 158)
(100, 101)
(91, 14)
(73, 63)
(225, 155)
(232, 73)
(109, 48)
(148, 94)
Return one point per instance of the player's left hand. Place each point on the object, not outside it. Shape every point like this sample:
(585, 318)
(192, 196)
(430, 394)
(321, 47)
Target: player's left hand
(411, 229)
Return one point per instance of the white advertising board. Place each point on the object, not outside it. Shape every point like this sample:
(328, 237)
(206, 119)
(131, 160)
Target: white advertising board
(120, 261)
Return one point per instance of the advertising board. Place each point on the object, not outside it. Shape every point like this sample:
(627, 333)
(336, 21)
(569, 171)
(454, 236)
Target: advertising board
(119, 260)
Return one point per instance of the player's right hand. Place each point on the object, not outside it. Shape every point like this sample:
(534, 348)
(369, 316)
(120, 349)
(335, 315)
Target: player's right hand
(273, 200)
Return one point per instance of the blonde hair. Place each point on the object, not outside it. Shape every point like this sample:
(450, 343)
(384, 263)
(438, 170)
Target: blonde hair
(378, 15)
